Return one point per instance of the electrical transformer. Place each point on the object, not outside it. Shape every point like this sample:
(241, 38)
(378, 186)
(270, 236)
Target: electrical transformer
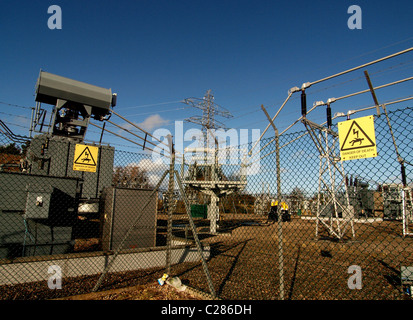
(40, 205)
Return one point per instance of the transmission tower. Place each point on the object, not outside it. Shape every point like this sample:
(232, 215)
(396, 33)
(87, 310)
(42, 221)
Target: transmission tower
(210, 110)
(208, 123)
(213, 185)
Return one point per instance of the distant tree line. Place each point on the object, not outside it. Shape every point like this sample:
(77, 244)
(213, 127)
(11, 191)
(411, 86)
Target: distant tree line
(130, 177)
(13, 149)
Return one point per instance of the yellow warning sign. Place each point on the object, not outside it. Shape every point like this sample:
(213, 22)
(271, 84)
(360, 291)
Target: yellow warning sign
(357, 138)
(86, 158)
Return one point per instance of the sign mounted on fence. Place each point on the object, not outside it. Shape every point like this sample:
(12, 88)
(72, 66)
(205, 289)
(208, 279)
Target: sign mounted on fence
(86, 158)
(357, 138)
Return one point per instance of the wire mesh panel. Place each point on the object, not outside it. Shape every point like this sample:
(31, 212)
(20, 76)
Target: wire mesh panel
(221, 229)
(253, 258)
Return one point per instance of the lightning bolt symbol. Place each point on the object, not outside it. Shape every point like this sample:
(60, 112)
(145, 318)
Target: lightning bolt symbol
(356, 132)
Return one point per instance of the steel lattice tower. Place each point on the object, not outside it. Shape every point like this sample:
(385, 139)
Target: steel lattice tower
(210, 110)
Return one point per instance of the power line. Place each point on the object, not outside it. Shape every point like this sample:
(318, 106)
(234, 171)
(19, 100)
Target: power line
(142, 114)
(15, 105)
(209, 111)
(359, 67)
(152, 105)
(343, 61)
(15, 124)
(379, 72)
(14, 115)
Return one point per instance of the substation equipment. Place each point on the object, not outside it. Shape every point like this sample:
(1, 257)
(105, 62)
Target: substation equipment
(334, 208)
(40, 206)
(213, 182)
(336, 204)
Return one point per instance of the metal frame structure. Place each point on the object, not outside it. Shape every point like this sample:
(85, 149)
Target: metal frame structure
(212, 186)
(209, 111)
(327, 139)
(407, 210)
(330, 166)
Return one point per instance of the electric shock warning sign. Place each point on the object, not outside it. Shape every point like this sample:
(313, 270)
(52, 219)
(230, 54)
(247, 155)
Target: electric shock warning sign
(86, 158)
(357, 138)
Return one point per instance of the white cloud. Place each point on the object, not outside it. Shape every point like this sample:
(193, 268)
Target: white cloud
(155, 170)
(153, 180)
(157, 166)
(153, 121)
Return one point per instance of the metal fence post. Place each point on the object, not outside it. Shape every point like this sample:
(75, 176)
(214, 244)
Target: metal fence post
(170, 205)
(280, 222)
(280, 219)
(195, 235)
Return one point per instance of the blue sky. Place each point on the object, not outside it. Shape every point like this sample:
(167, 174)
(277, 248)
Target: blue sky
(156, 53)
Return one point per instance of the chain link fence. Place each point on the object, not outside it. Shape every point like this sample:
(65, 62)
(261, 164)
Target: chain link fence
(329, 230)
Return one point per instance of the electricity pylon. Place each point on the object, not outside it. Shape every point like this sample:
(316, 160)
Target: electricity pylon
(210, 110)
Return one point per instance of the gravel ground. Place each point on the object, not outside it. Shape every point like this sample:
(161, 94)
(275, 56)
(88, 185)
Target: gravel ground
(138, 285)
(244, 265)
(140, 292)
